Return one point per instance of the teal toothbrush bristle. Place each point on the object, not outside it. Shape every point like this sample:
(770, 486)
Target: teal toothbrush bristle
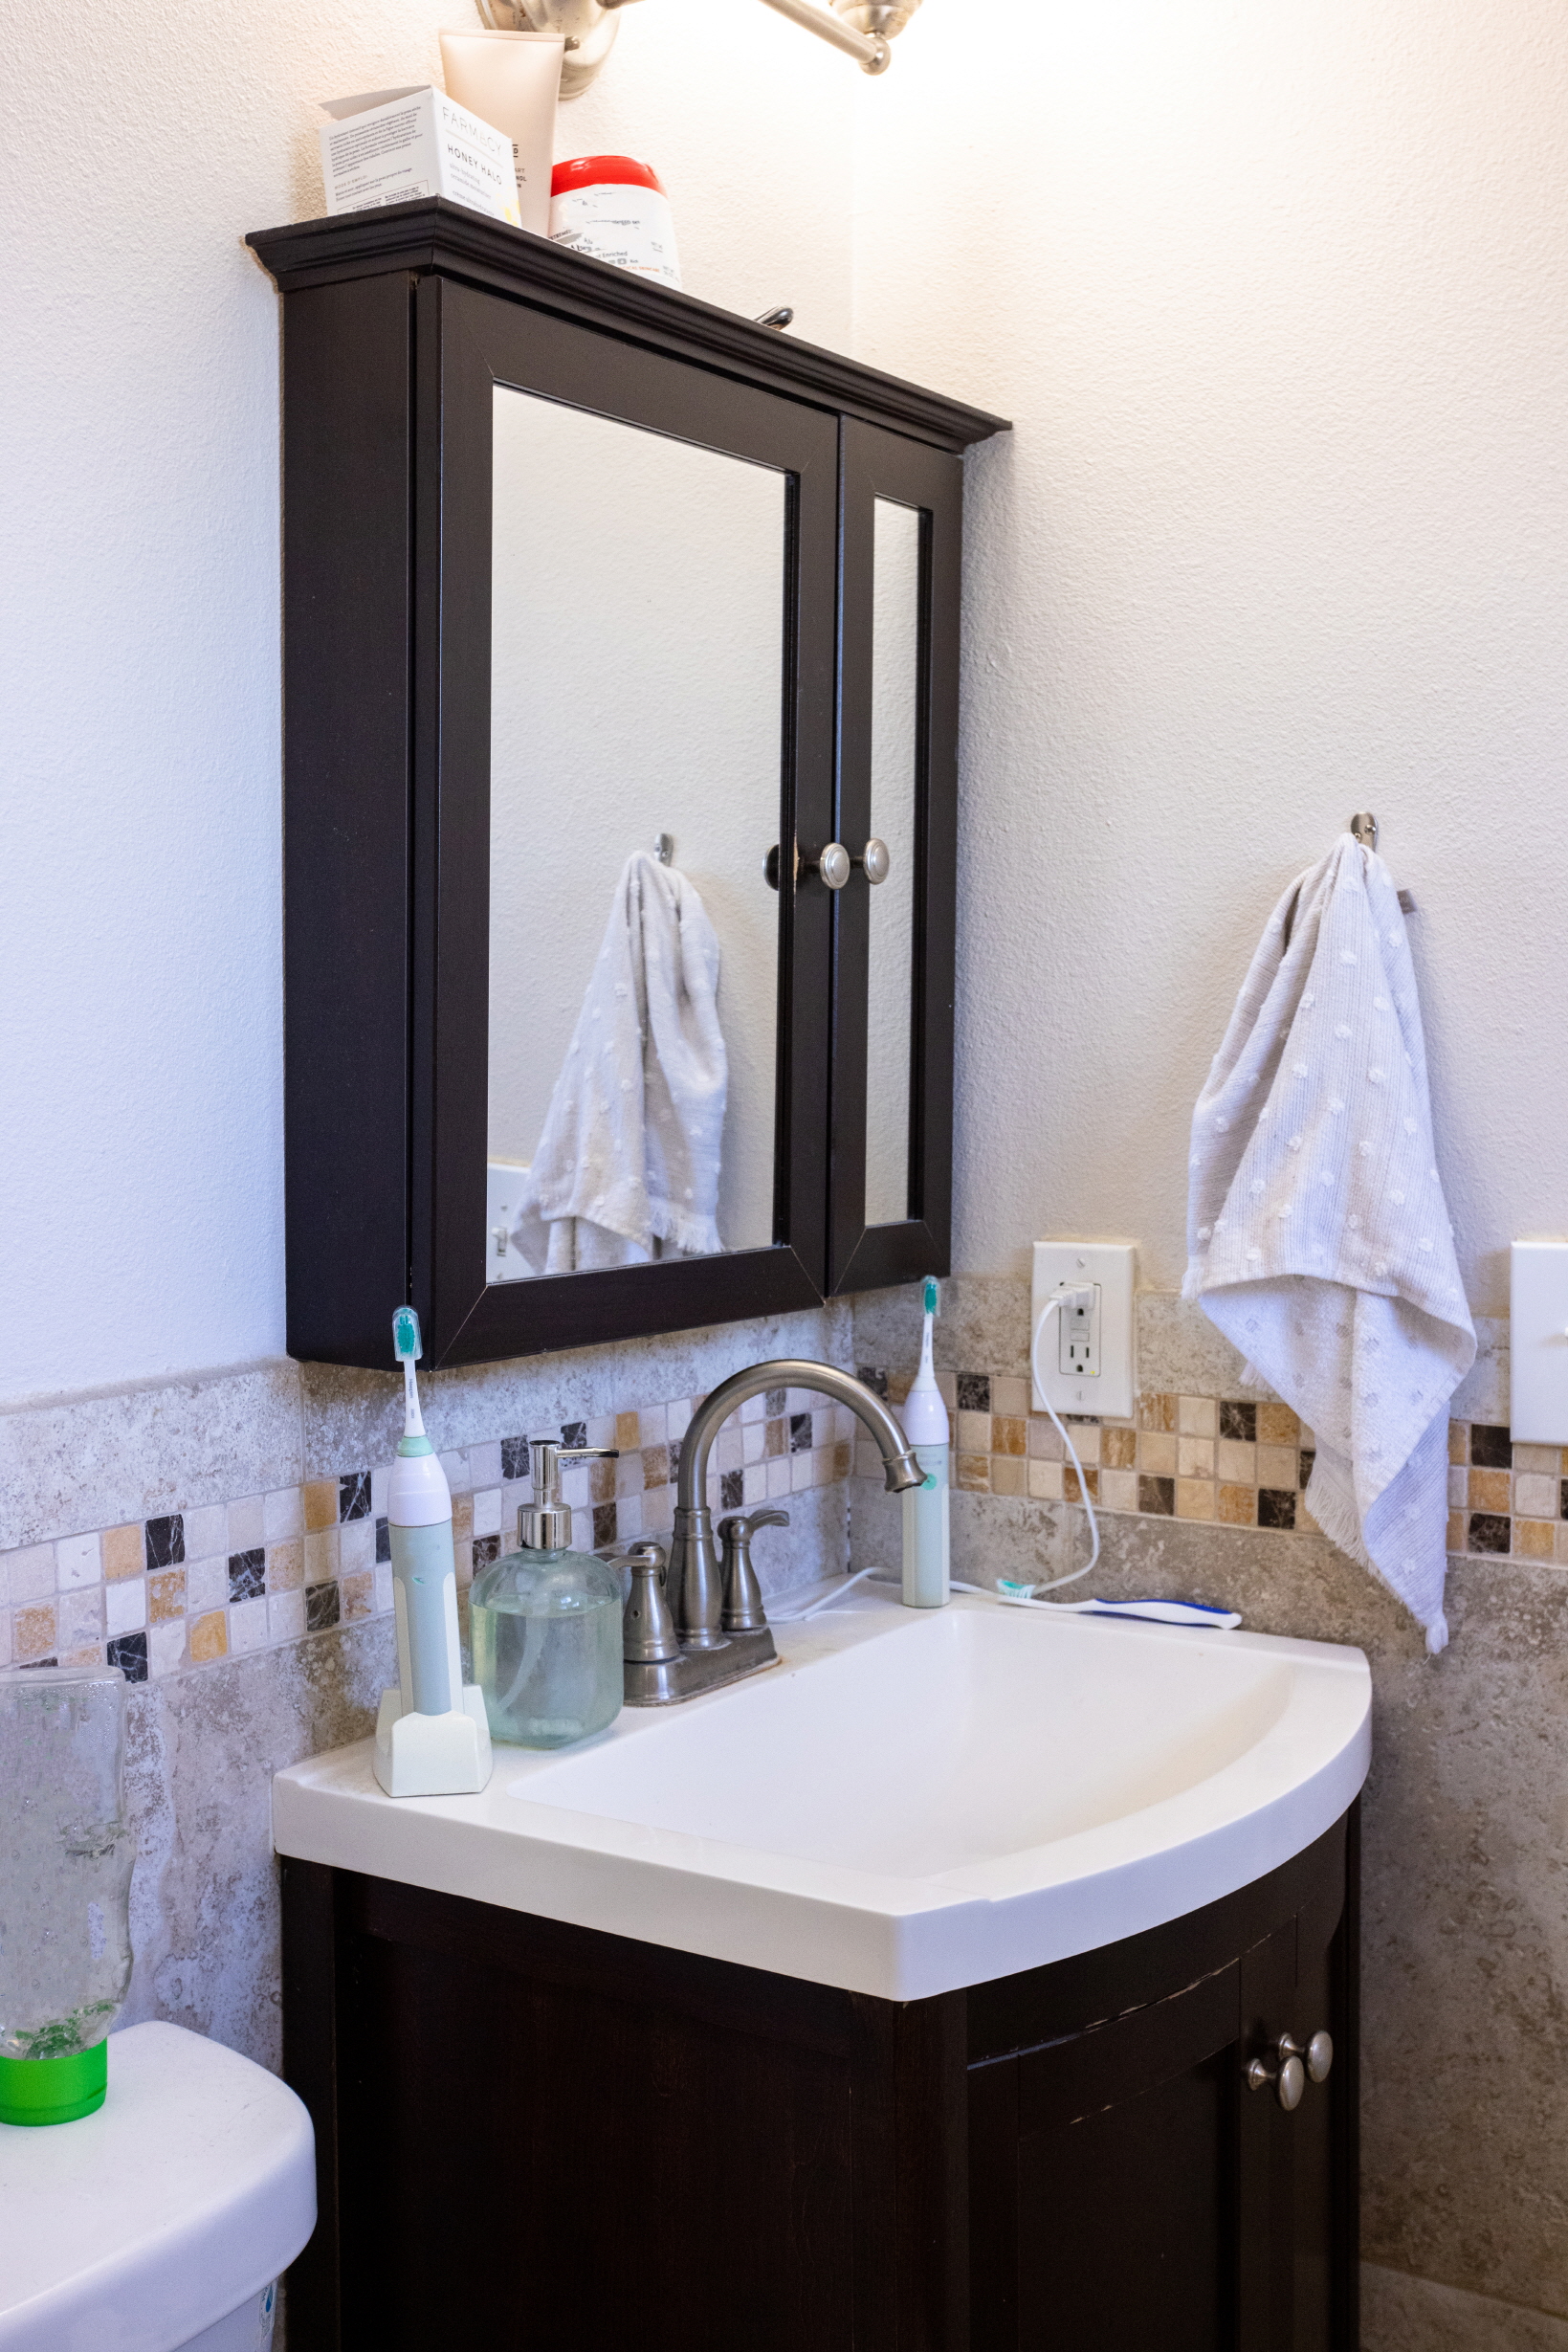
(406, 1343)
(931, 1293)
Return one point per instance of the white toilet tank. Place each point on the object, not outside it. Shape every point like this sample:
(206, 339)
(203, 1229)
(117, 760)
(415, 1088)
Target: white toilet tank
(160, 2222)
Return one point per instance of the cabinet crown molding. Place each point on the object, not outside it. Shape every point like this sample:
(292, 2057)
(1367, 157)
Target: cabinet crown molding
(435, 235)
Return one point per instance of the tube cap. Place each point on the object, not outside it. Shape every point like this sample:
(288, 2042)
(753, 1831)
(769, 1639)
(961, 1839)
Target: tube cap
(53, 2090)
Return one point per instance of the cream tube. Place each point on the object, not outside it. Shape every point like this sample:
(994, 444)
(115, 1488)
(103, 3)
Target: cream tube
(511, 80)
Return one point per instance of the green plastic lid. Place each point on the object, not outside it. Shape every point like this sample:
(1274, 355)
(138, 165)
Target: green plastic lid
(53, 2090)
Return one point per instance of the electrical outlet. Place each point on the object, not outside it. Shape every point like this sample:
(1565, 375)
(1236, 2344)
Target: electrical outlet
(1078, 1344)
(1088, 1360)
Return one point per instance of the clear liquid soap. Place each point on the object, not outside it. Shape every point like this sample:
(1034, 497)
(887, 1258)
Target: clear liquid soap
(545, 1624)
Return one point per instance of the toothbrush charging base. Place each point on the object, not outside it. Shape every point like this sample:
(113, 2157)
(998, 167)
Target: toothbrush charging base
(432, 1755)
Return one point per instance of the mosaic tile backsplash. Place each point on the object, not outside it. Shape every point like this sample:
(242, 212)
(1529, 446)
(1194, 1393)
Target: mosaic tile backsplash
(162, 1595)
(1235, 1462)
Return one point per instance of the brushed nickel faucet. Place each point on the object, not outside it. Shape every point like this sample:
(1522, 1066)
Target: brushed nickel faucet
(685, 1633)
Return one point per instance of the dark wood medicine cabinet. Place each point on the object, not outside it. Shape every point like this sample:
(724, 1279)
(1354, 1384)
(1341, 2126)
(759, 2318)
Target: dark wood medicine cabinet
(556, 539)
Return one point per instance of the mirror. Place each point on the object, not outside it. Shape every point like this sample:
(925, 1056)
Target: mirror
(896, 692)
(637, 692)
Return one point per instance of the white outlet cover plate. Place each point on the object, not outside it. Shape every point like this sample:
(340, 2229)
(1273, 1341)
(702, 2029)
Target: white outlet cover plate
(1538, 1343)
(1063, 1265)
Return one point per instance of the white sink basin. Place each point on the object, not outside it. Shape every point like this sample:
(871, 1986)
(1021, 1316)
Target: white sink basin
(909, 1803)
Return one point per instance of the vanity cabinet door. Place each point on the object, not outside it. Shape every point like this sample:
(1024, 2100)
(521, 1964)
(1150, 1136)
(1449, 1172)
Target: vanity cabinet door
(1296, 2170)
(1103, 2182)
(1128, 2188)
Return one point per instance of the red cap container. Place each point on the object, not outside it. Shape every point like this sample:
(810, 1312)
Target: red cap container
(603, 171)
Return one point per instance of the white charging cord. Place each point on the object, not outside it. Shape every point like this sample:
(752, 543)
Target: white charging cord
(1053, 1306)
(797, 1616)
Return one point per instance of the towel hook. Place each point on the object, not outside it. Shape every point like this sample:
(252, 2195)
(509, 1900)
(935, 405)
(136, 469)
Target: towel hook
(1364, 828)
(664, 847)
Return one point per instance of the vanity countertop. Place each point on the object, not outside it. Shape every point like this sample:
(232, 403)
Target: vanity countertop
(910, 1802)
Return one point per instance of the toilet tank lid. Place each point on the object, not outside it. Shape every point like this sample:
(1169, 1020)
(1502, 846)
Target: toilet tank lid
(136, 2228)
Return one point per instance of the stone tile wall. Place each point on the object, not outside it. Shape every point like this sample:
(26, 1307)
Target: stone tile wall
(1466, 1896)
(1464, 2151)
(220, 1538)
(1242, 1461)
(185, 1588)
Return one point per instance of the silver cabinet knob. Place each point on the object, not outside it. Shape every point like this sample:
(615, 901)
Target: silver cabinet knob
(834, 864)
(1286, 2073)
(1286, 2077)
(1317, 2056)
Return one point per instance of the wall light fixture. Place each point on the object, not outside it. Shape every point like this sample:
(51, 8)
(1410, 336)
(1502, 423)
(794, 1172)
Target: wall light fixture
(861, 28)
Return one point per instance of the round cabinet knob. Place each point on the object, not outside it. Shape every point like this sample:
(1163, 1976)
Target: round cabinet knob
(833, 865)
(1320, 2057)
(1287, 2078)
(877, 860)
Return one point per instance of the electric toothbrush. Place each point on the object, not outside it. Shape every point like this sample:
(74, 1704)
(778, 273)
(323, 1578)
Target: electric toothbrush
(927, 1523)
(432, 1737)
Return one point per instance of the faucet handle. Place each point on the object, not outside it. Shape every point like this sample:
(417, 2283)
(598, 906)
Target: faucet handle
(648, 1624)
(743, 1524)
(743, 1610)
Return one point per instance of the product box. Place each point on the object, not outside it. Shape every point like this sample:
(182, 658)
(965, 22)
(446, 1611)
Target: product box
(391, 146)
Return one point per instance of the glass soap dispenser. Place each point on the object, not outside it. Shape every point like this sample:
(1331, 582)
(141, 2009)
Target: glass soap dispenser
(545, 1621)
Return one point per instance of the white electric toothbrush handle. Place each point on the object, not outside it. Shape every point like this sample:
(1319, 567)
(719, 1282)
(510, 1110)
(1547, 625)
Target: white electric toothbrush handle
(413, 1422)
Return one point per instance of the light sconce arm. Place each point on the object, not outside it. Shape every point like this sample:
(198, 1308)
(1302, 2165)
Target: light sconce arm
(861, 28)
(870, 48)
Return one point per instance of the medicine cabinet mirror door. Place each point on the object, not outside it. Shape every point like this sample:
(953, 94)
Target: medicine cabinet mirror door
(891, 1212)
(636, 658)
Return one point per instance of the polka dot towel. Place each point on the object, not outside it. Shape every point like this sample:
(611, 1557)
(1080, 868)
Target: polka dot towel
(1317, 1235)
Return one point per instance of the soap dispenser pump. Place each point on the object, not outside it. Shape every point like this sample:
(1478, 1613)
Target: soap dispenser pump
(433, 1739)
(546, 1621)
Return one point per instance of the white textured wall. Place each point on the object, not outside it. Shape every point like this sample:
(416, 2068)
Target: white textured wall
(141, 1074)
(1278, 299)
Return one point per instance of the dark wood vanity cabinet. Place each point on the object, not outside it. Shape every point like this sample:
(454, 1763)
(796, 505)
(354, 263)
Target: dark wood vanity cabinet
(532, 2135)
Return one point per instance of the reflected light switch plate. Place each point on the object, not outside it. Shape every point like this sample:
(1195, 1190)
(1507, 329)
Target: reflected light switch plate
(1538, 1343)
(504, 1263)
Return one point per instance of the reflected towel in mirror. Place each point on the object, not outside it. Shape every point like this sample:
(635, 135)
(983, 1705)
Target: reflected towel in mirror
(1318, 1237)
(627, 1165)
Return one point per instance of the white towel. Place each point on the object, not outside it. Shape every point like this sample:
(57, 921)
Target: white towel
(1318, 1236)
(630, 1156)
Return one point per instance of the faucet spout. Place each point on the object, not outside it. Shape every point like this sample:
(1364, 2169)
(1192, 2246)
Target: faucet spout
(693, 1567)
